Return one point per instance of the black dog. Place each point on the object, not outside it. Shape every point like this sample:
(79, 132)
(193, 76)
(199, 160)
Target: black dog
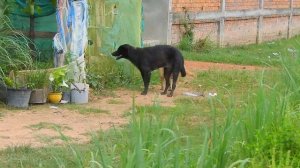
(151, 58)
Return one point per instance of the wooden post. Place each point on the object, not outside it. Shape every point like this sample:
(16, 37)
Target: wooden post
(32, 35)
(290, 21)
(260, 23)
(222, 24)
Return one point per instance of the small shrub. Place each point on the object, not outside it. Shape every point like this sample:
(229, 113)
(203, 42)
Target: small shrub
(185, 44)
(105, 72)
(203, 45)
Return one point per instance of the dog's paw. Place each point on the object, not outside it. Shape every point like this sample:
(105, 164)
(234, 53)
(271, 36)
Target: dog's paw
(143, 93)
(170, 95)
(163, 93)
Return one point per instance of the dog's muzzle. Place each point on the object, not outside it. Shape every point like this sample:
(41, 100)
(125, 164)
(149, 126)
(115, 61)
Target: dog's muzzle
(115, 54)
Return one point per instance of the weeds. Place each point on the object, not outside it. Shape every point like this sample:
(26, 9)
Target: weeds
(105, 73)
(188, 42)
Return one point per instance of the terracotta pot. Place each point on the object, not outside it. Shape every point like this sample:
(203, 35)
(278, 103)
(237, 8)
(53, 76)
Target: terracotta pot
(54, 97)
(38, 96)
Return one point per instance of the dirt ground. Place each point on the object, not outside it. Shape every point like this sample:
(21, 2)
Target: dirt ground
(41, 125)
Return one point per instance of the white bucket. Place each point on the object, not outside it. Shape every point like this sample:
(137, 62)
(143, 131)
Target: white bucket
(79, 93)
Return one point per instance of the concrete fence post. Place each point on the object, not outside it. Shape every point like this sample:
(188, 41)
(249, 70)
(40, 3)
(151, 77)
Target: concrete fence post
(260, 23)
(170, 21)
(222, 24)
(290, 21)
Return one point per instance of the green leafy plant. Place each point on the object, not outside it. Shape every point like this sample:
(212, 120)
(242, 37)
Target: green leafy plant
(37, 79)
(11, 81)
(58, 79)
(185, 44)
(188, 34)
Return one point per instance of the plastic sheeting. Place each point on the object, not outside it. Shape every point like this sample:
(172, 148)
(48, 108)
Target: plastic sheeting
(79, 22)
(113, 23)
(46, 8)
(72, 21)
(44, 22)
(71, 40)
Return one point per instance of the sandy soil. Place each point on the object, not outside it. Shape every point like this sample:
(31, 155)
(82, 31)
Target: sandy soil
(39, 125)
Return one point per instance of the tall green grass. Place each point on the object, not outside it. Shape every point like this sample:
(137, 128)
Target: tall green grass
(259, 129)
(264, 132)
(265, 54)
(15, 53)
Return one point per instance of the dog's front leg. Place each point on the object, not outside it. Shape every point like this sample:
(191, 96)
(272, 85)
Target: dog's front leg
(175, 77)
(167, 74)
(146, 78)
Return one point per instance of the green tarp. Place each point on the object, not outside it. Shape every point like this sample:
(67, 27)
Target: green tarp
(45, 21)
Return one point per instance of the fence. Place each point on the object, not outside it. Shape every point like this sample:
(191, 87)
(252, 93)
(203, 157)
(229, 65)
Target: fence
(239, 22)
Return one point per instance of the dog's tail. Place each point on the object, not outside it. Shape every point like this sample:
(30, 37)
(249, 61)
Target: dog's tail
(182, 69)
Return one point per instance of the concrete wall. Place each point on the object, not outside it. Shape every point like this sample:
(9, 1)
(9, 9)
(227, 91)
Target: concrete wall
(236, 22)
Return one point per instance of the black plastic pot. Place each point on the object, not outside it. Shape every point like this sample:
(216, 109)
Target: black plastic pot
(18, 97)
(3, 92)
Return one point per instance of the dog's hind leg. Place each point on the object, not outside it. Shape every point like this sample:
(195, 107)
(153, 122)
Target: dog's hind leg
(167, 74)
(146, 78)
(161, 77)
(175, 77)
(171, 77)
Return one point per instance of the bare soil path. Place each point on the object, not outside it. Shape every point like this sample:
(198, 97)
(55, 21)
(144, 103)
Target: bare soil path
(40, 125)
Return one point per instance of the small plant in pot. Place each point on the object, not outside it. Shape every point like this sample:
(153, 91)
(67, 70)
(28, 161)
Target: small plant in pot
(57, 82)
(37, 81)
(17, 94)
(79, 87)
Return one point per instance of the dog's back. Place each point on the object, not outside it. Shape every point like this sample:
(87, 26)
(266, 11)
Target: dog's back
(160, 56)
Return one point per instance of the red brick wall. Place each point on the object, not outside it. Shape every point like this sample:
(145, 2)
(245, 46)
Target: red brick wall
(241, 4)
(196, 5)
(276, 4)
(295, 26)
(274, 28)
(236, 31)
(296, 3)
(240, 32)
(203, 30)
(214, 5)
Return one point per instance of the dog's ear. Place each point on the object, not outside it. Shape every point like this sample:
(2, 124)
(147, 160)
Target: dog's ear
(124, 49)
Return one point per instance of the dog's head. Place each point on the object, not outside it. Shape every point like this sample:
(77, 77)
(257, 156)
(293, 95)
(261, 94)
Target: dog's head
(122, 51)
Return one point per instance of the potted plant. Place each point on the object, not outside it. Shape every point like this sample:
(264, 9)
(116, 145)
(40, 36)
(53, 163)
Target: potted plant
(57, 82)
(15, 55)
(79, 87)
(37, 81)
(17, 94)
